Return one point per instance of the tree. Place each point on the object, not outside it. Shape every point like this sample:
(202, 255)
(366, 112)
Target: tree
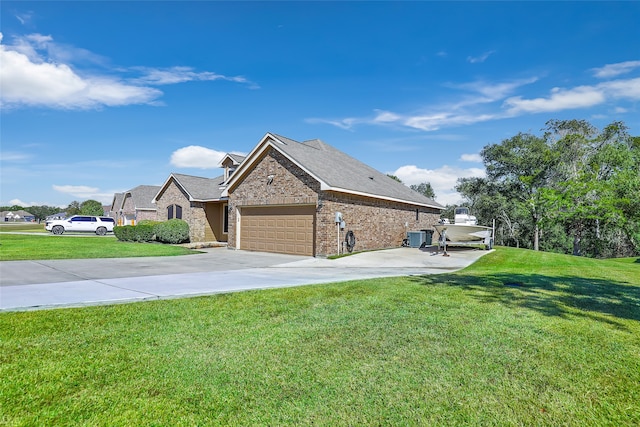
(395, 178)
(424, 189)
(521, 167)
(91, 207)
(594, 178)
(42, 212)
(73, 208)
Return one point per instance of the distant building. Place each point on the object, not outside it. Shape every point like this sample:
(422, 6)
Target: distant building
(17, 216)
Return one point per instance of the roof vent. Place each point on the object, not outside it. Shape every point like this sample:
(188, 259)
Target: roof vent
(371, 178)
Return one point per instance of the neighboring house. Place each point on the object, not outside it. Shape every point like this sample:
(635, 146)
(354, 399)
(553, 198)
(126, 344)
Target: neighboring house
(115, 211)
(198, 201)
(17, 216)
(134, 205)
(59, 215)
(285, 195)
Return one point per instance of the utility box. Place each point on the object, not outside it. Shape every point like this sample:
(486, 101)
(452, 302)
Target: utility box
(416, 238)
(428, 241)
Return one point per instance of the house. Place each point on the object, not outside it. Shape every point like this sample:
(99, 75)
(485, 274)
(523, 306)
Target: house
(286, 197)
(199, 202)
(134, 205)
(17, 216)
(289, 197)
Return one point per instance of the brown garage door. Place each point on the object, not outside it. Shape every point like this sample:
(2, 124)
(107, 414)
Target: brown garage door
(282, 229)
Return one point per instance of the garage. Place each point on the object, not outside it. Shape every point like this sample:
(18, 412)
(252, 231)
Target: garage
(280, 229)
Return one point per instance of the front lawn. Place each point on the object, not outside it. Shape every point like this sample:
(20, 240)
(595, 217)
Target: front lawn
(15, 247)
(519, 338)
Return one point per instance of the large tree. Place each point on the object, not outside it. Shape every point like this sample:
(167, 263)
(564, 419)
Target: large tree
(594, 176)
(521, 167)
(573, 189)
(91, 207)
(424, 189)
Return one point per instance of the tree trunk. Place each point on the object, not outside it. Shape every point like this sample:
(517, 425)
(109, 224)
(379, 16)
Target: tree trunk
(536, 237)
(576, 244)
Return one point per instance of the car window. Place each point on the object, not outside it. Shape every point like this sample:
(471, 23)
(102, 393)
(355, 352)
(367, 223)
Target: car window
(107, 219)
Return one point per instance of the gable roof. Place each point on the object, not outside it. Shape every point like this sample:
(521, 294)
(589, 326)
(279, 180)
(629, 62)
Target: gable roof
(116, 204)
(334, 170)
(197, 188)
(143, 196)
(236, 159)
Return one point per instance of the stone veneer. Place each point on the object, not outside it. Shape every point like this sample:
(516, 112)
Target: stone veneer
(192, 212)
(375, 223)
(129, 209)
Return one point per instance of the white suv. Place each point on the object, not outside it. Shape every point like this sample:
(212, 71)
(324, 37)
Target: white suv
(94, 224)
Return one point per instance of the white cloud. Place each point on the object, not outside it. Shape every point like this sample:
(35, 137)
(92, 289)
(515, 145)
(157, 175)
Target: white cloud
(442, 180)
(453, 114)
(24, 18)
(481, 58)
(613, 70)
(18, 202)
(195, 156)
(175, 75)
(38, 72)
(13, 156)
(560, 99)
(83, 192)
(578, 97)
(30, 82)
(474, 158)
(482, 101)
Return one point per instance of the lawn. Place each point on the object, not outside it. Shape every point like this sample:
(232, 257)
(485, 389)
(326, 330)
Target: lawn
(519, 338)
(33, 246)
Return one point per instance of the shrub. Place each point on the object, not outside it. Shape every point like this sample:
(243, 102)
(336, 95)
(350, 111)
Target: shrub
(148, 222)
(124, 232)
(135, 233)
(172, 231)
(144, 233)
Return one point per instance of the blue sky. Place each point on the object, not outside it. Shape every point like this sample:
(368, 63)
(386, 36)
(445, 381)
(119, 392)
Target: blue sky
(99, 97)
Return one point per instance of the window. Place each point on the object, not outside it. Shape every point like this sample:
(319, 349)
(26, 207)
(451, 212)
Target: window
(174, 211)
(417, 214)
(225, 220)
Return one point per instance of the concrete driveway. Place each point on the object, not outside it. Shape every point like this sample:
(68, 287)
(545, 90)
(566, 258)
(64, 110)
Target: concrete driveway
(29, 285)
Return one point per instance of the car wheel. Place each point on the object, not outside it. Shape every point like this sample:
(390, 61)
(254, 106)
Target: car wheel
(58, 229)
(101, 231)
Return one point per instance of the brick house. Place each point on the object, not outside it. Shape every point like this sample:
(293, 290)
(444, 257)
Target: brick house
(198, 201)
(134, 205)
(285, 195)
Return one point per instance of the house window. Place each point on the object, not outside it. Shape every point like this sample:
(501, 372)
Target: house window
(225, 220)
(417, 214)
(174, 211)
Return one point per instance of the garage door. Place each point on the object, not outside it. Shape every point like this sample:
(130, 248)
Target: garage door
(282, 229)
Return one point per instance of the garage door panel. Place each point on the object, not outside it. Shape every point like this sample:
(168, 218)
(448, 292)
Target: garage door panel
(278, 229)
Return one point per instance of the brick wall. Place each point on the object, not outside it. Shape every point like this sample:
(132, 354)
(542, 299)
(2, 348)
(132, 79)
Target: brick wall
(290, 185)
(376, 223)
(192, 212)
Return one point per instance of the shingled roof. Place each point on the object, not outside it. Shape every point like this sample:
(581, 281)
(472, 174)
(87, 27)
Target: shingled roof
(197, 188)
(336, 171)
(143, 196)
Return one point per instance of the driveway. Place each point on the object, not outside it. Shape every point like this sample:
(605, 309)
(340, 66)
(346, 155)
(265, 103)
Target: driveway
(28, 285)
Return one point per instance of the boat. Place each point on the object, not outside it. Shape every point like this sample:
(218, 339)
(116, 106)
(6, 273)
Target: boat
(463, 230)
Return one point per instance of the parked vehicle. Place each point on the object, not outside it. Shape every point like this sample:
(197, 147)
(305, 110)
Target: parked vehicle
(100, 225)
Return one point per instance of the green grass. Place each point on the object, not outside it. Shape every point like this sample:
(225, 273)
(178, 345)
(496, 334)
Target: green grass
(15, 247)
(519, 338)
(22, 227)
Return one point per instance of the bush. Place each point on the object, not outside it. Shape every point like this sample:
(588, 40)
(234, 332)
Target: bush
(148, 222)
(172, 231)
(124, 232)
(135, 233)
